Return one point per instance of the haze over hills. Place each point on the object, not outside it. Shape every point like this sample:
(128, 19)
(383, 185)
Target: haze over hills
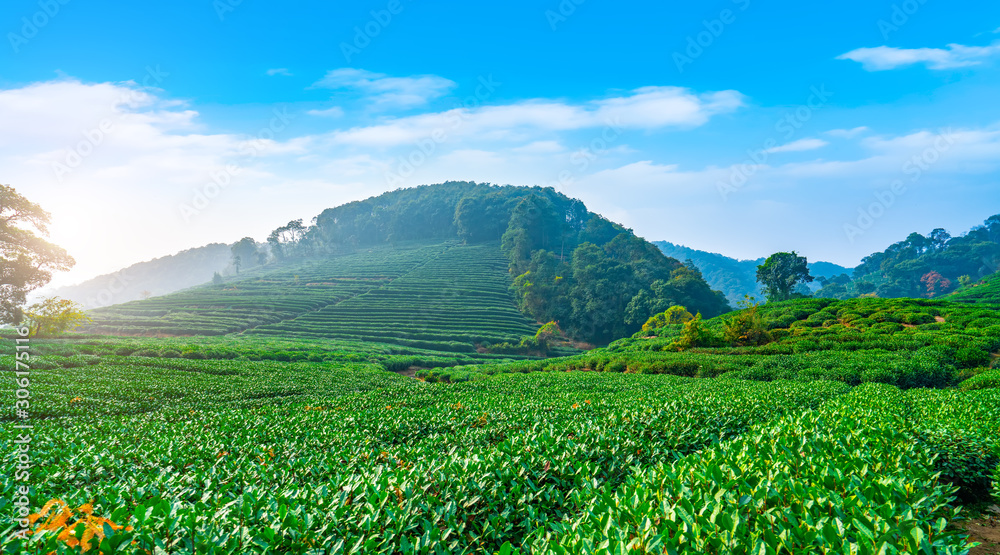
(150, 278)
(736, 278)
(456, 266)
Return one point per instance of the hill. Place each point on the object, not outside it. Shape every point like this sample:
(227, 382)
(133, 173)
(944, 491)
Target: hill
(159, 276)
(737, 278)
(444, 267)
(983, 291)
(924, 266)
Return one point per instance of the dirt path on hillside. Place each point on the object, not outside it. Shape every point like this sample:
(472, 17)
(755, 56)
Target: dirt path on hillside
(410, 372)
(986, 531)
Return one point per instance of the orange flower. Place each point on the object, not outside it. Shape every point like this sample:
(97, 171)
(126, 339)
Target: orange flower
(59, 521)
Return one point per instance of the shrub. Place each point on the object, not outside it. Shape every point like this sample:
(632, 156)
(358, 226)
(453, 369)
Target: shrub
(674, 315)
(696, 334)
(124, 351)
(986, 380)
(616, 365)
(746, 327)
(996, 485)
(170, 353)
(146, 353)
(192, 354)
(966, 460)
(971, 356)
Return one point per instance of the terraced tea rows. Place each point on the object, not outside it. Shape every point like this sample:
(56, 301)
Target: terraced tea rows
(263, 296)
(441, 297)
(452, 302)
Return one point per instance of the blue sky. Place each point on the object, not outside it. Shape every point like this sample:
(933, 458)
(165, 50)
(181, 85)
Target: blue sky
(736, 126)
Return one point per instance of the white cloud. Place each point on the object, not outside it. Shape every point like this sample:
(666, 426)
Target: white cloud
(846, 133)
(799, 145)
(644, 108)
(121, 203)
(540, 147)
(333, 112)
(279, 71)
(113, 163)
(384, 90)
(883, 58)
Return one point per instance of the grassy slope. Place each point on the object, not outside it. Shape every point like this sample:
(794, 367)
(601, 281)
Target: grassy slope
(440, 296)
(984, 291)
(903, 342)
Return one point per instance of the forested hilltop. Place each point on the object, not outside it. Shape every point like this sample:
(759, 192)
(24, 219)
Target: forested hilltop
(593, 277)
(923, 266)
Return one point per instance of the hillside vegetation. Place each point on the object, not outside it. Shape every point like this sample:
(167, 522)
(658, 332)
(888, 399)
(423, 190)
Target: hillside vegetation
(443, 297)
(923, 266)
(983, 291)
(903, 342)
(433, 267)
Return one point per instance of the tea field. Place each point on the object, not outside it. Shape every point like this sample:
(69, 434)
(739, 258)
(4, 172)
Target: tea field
(160, 454)
(444, 297)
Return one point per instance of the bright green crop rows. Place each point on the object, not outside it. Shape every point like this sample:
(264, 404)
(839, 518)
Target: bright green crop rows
(442, 297)
(842, 479)
(262, 296)
(903, 342)
(984, 291)
(449, 303)
(234, 456)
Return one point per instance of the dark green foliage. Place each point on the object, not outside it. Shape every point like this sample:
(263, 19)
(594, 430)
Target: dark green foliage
(781, 273)
(930, 266)
(607, 291)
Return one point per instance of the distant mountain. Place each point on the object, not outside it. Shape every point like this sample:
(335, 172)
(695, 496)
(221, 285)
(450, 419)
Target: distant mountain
(736, 278)
(155, 277)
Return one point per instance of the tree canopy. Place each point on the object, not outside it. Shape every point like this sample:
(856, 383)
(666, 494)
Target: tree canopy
(592, 276)
(781, 273)
(924, 266)
(53, 316)
(26, 259)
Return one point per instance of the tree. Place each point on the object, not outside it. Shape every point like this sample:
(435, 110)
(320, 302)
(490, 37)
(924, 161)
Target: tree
(674, 315)
(53, 316)
(781, 272)
(26, 260)
(245, 253)
(145, 294)
(936, 283)
(746, 327)
(217, 278)
(549, 333)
